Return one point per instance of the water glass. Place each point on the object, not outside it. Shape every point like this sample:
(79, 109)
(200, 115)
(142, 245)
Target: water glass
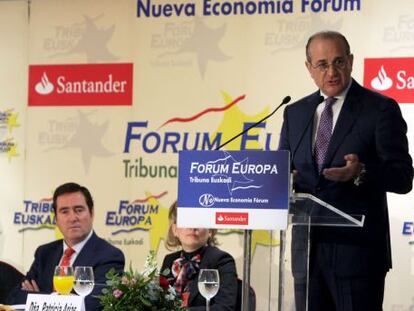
(84, 280)
(208, 284)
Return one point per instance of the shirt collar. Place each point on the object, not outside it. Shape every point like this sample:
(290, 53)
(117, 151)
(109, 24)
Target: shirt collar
(78, 247)
(340, 97)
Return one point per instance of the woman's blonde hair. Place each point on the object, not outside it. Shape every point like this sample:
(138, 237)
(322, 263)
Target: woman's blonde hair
(172, 241)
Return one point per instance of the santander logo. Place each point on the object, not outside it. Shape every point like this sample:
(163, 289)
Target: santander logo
(393, 77)
(44, 86)
(381, 82)
(230, 218)
(81, 85)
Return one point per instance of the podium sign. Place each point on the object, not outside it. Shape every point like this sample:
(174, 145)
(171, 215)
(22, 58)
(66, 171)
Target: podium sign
(39, 302)
(233, 189)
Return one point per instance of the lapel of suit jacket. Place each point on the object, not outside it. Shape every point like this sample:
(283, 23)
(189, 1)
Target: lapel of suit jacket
(347, 117)
(86, 255)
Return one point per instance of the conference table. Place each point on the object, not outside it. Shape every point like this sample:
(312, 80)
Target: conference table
(12, 307)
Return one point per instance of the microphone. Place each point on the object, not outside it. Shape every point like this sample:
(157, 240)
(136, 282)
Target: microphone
(320, 100)
(284, 102)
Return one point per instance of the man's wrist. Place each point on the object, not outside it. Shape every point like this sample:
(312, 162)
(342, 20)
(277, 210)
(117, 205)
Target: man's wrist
(359, 179)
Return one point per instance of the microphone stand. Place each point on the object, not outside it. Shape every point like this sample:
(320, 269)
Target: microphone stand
(247, 245)
(284, 102)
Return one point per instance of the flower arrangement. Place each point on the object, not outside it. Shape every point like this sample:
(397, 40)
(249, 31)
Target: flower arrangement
(134, 291)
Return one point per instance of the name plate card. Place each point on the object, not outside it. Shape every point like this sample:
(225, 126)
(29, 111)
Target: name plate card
(233, 189)
(40, 302)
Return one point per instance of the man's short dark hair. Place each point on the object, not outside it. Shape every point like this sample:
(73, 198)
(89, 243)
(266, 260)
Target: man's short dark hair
(327, 34)
(72, 187)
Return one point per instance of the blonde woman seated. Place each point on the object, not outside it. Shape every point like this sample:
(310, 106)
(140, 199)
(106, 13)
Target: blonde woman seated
(198, 252)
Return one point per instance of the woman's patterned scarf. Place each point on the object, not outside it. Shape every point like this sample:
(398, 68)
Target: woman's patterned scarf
(184, 270)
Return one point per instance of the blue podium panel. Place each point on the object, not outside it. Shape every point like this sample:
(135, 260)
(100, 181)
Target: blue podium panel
(233, 189)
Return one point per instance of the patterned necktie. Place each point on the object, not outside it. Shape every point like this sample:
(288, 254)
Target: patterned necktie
(66, 257)
(324, 132)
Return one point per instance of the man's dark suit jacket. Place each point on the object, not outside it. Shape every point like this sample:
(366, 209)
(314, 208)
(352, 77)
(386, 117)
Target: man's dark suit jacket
(371, 126)
(212, 258)
(97, 253)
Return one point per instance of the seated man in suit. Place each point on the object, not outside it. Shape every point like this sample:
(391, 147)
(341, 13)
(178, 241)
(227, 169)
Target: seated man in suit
(74, 211)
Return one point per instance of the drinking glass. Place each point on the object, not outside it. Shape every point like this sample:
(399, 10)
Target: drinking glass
(208, 284)
(63, 279)
(84, 280)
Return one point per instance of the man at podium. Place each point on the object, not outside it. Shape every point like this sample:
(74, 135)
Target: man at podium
(348, 148)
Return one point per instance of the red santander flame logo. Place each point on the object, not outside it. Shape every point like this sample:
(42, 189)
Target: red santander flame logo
(227, 218)
(81, 85)
(393, 77)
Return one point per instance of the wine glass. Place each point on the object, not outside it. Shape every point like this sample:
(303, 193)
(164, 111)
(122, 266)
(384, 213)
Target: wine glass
(208, 284)
(63, 279)
(84, 280)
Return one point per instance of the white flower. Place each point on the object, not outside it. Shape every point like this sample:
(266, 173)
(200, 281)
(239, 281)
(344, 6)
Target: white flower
(150, 264)
(171, 294)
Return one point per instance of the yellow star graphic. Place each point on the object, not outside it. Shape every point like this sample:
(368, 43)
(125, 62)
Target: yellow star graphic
(12, 121)
(160, 225)
(263, 237)
(156, 224)
(232, 122)
(12, 152)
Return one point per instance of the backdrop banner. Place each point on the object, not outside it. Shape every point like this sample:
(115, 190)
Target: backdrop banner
(106, 93)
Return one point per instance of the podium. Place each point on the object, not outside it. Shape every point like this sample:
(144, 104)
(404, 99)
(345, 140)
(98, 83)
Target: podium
(243, 190)
(251, 190)
(305, 211)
